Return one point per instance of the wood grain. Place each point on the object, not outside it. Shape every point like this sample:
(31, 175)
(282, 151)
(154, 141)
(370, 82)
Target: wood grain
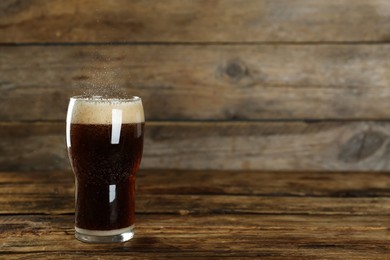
(271, 237)
(43, 21)
(203, 82)
(323, 146)
(193, 182)
(206, 204)
(231, 214)
(172, 192)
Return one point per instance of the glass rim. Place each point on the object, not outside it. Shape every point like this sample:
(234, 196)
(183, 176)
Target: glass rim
(97, 98)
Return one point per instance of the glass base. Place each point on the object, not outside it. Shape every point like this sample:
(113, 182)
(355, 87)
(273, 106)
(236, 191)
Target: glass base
(104, 236)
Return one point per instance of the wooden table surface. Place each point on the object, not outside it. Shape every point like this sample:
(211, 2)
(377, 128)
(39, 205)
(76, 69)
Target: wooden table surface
(205, 214)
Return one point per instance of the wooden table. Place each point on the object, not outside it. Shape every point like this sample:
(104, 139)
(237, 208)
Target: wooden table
(205, 214)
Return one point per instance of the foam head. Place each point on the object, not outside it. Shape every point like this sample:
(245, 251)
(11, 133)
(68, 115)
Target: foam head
(98, 110)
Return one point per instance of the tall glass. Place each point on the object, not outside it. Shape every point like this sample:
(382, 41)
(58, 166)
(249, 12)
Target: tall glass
(104, 137)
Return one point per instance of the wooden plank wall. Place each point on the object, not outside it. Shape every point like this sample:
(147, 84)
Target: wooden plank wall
(226, 84)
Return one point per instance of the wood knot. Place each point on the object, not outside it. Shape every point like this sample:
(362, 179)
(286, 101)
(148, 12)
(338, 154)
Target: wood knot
(13, 6)
(80, 77)
(236, 70)
(361, 146)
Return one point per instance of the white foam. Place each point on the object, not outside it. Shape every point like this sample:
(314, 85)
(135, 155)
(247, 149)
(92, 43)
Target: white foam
(98, 110)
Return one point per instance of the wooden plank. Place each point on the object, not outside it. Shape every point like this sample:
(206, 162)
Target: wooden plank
(201, 82)
(325, 146)
(194, 182)
(273, 184)
(307, 225)
(258, 193)
(206, 204)
(205, 236)
(193, 21)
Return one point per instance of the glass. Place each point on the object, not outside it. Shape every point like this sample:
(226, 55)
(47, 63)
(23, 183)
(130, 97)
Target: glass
(104, 137)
